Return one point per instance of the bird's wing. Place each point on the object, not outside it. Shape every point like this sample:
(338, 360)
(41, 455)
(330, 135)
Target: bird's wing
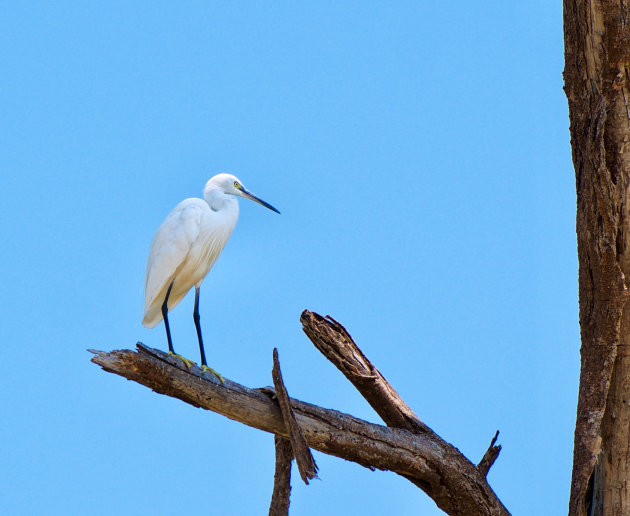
(171, 244)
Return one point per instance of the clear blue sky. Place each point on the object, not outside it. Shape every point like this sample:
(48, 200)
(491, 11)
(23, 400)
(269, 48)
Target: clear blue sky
(419, 154)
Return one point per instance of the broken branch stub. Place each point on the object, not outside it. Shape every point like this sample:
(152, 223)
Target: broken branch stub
(301, 452)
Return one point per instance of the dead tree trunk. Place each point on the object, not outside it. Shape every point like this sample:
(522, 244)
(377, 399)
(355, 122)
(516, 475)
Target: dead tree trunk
(597, 56)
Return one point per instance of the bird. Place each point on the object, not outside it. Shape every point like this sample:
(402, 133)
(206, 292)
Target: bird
(184, 249)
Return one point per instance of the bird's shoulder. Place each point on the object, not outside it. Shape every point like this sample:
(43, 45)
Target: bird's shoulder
(190, 208)
(182, 225)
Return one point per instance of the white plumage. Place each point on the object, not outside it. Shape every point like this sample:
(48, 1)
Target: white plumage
(187, 245)
(184, 249)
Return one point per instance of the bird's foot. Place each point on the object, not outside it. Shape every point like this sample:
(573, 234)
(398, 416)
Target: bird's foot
(189, 363)
(205, 368)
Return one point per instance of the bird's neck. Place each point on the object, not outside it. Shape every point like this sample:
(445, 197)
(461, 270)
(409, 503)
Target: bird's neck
(219, 200)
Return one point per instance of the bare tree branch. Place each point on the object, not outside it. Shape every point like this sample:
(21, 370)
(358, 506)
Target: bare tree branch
(336, 344)
(326, 430)
(490, 456)
(282, 478)
(419, 456)
(303, 456)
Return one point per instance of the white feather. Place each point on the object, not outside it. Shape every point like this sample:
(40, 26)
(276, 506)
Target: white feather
(187, 245)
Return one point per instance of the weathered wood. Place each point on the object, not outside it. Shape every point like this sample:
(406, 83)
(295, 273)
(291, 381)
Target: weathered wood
(326, 430)
(597, 55)
(280, 497)
(301, 452)
(490, 456)
(413, 455)
(336, 344)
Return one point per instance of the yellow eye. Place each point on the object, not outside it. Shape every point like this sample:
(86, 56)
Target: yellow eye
(237, 185)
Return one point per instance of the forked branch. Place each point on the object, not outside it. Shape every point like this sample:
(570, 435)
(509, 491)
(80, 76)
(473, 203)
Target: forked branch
(410, 449)
(336, 344)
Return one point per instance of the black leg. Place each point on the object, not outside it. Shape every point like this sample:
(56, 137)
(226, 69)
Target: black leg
(165, 316)
(199, 337)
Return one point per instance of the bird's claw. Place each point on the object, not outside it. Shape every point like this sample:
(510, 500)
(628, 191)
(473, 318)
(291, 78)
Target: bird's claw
(189, 363)
(205, 368)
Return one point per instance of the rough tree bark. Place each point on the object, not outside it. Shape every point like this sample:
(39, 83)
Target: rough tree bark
(408, 447)
(597, 55)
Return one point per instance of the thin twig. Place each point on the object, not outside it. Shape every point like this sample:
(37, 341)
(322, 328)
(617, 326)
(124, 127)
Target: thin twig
(489, 457)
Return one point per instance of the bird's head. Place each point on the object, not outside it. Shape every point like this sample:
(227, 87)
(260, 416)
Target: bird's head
(232, 185)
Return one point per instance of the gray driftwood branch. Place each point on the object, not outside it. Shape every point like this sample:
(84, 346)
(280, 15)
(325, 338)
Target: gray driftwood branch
(415, 452)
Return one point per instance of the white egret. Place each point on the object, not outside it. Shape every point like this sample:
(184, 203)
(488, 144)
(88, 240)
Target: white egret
(185, 248)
